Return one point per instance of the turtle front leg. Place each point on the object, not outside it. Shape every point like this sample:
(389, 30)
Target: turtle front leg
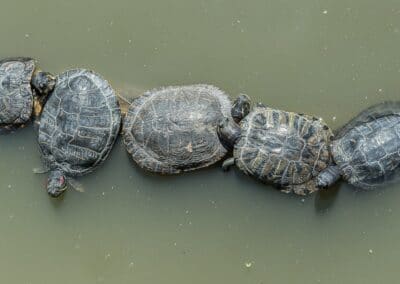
(76, 184)
(228, 163)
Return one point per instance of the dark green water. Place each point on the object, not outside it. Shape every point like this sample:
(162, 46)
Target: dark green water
(327, 58)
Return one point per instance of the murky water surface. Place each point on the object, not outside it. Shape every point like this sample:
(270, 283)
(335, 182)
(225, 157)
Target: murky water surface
(327, 58)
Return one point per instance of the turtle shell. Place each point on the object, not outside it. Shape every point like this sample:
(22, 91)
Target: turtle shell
(16, 98)
(173, 129)
(283, 148)
(368, 153)
(79, 123)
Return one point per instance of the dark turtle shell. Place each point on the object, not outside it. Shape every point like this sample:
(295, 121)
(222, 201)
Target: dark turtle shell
(79, 123)
(173, 129)
(16, 97)
(283, 148)
(367, 149)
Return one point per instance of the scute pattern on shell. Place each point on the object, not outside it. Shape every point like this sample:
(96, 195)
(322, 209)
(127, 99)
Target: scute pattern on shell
(16, 99)
(368, 154)
(173, 129)
(79, 123)
(283, 148)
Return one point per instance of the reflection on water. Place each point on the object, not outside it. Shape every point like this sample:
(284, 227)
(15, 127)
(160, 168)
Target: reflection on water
(329, 58)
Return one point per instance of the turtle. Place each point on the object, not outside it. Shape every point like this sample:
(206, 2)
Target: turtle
(173, 129)
(23, 89)
(278, 147)
(366, 150)
(78, 127)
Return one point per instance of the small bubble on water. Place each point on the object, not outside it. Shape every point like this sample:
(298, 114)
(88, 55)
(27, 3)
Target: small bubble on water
(131, 265)
(325, 12)
(248, 264)
(27, 35)
(370, 251)
(333, 118)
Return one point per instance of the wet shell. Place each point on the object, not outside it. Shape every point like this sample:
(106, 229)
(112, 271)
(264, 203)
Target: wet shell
(79, 123)
(368, 148)
(16, 97)
(173, 129)
(283, 148)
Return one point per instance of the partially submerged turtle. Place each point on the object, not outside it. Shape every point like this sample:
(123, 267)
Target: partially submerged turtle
(174, 129)
(283, 148)
(78, 127)
(23, 88)
(366, 151)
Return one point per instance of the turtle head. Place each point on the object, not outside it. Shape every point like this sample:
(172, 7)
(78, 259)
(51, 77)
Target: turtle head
(228, 133)
(56, 183)
(43, 82)
(328, 176)
(241, 107)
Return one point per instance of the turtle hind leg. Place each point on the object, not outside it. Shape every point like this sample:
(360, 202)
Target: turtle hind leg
(8, 129)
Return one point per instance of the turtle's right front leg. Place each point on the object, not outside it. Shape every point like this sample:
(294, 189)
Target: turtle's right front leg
(227, 163)
(40, 170)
